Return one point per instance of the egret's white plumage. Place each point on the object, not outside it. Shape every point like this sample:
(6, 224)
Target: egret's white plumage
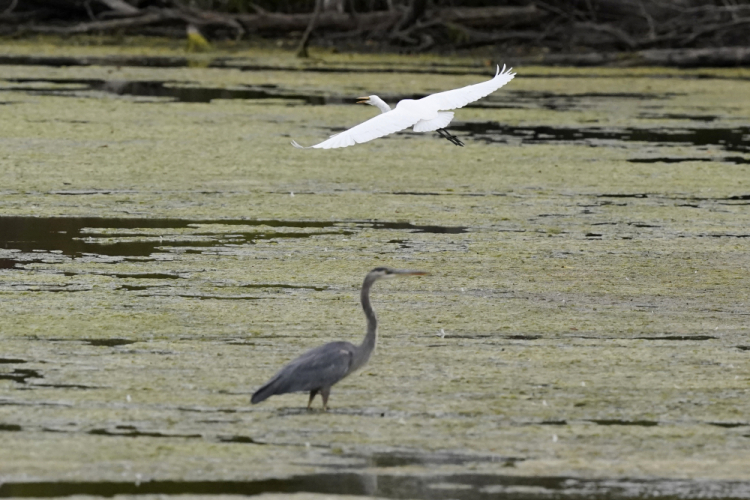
(425, 115)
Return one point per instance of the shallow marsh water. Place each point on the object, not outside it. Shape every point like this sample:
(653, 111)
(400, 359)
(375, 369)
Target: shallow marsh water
(163, 250)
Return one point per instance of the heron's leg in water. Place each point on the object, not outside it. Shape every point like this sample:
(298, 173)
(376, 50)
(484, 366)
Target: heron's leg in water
(324, 393)
(312, 396)
(455, 140)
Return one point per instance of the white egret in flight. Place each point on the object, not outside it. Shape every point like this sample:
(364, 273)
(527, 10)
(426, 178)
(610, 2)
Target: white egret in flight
(425, 115)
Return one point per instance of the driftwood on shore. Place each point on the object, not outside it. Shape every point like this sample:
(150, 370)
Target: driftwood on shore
(580, 32)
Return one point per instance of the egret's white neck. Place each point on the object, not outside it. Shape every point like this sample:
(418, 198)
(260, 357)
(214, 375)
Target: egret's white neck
(379, 103)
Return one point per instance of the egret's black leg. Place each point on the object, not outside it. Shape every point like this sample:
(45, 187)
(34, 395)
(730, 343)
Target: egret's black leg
(312, 396)
(455, 140)
(324, 393)
(442, 134)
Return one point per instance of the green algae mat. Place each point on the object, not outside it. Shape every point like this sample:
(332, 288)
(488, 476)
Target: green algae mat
(584, 330)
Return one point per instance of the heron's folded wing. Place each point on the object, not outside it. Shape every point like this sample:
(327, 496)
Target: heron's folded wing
(383, 124)
(319, 367)
(458, 98)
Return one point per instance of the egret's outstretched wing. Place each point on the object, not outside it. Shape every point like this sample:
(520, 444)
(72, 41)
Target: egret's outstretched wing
(442, 121)
(383, 124)
(458, 98)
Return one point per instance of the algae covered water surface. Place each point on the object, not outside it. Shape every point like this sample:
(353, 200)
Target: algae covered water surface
(164, 250)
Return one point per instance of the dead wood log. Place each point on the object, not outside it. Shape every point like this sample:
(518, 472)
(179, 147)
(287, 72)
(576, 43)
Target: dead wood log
(488, 17)
(16, 18)
(109, 25)
(495, 17)
(285, 23)
(184, 16)
(608, 29)
(478, 39)
(207, 19)
(722, 57)
(595, 25)
(705, 30)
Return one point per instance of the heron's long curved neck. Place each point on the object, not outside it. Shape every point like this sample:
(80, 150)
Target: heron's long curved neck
(371, 338)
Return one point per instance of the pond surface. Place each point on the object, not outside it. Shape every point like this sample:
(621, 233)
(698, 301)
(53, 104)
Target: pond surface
(584, 331)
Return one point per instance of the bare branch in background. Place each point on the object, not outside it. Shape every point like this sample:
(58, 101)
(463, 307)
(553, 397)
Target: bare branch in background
(10, 8)
(416, 10)
(580, 26)
(120, 6)
(649, 20)
(302, 47)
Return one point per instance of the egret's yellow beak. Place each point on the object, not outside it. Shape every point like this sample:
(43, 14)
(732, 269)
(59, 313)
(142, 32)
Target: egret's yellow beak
(363, 100)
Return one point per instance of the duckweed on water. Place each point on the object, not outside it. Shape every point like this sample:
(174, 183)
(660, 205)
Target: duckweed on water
(585, 317)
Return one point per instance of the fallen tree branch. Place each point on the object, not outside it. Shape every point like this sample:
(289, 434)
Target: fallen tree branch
(583, 25)
(204, 18)
(16, 18)
(712, 29)
(148, 18)
(479, 39)
(413, 13)
(11, 7)
(613, 31)
(481, 16)
(722, 57)
(302, 47)
(495, 17)
(273, 22)
(120, 6)
(110, 25)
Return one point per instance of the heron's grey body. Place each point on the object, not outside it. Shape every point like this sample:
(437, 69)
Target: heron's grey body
(319, 369)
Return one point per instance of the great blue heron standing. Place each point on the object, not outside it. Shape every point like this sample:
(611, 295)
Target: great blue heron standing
(320, 368)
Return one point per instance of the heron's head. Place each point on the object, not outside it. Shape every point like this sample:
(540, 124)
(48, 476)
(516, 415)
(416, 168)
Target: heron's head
(387, 272)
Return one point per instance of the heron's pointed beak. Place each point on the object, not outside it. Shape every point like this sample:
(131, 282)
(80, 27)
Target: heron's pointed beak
(363, 100)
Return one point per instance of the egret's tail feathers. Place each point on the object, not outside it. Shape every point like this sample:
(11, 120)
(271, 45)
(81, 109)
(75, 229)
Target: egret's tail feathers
(442, 121)
(297, 145)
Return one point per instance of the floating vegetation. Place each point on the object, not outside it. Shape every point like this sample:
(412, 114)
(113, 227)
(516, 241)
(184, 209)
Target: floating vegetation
(163, 249)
